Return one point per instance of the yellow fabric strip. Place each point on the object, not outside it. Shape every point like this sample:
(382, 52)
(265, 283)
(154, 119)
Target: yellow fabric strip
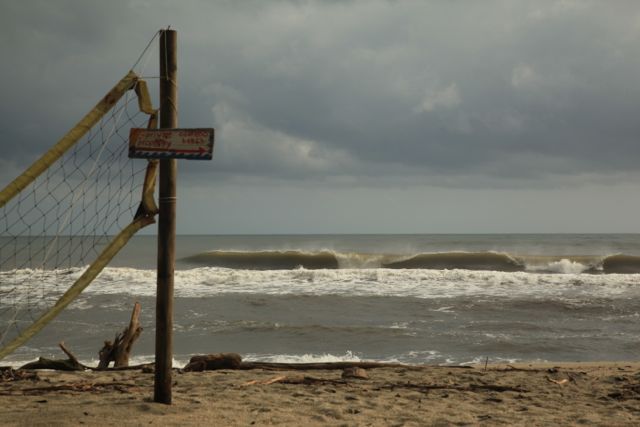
(83, 281)
(148, 204)
(144, 99)
(144, 103)
(149, 188)
(77, 132)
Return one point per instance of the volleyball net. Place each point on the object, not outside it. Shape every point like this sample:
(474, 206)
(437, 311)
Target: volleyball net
(68, 214)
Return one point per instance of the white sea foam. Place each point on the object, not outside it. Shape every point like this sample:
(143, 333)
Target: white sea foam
(415, 357)
(491, 360)
(348, 356)
(209, 281)
(399, 325)
(446, 309)
(15, 361)
(563, 266)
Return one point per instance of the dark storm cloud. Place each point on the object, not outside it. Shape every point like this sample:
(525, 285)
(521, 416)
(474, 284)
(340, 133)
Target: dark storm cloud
(58, 60)
(450, 89)
(464, 93)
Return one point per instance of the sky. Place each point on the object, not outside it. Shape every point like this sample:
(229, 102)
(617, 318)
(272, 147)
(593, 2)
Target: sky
(374, 116)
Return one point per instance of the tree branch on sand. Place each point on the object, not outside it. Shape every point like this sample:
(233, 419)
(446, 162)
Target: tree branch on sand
(70, 364)
(117, 352)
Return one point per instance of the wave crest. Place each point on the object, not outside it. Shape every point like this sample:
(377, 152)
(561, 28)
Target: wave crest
(484, 261)
(460, 260)
(625, 264)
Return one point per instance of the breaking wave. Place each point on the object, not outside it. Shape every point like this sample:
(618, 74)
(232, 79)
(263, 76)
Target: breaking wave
(483, 261)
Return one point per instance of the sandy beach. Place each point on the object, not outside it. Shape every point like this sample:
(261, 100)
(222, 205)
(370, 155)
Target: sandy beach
(531, 394)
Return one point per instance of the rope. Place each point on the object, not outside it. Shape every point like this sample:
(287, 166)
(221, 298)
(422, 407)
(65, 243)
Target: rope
(144, 51)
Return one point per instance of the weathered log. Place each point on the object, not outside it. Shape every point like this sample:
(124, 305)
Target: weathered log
(212, 362)
(199, 363)
(70, 364)
(55, 364)
(119, 350)
(70, 355)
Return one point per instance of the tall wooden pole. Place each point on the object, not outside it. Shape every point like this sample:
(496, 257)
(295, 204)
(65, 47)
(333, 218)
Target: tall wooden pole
(167, 221)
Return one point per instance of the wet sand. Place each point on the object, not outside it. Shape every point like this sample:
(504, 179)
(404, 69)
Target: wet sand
(523, 394)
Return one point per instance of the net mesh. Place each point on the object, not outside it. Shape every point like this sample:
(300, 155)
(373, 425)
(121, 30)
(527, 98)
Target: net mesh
(61, 222)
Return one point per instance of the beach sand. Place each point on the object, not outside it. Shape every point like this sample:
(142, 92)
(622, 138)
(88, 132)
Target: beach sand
(523, 394)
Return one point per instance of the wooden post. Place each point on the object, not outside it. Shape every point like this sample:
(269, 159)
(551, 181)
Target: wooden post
(166, 221)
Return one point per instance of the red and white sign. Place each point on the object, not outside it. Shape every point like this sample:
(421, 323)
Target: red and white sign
(171, 143)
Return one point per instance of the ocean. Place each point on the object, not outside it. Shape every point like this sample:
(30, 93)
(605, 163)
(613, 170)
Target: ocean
(435, 299)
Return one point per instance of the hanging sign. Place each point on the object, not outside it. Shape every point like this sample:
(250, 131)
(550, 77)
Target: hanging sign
(194, 144)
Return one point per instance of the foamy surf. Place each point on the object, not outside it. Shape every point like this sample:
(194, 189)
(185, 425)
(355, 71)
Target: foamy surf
(348, 356)
(416, 283)
(411, 299)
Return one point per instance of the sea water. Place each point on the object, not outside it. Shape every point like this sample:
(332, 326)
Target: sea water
(442, 299)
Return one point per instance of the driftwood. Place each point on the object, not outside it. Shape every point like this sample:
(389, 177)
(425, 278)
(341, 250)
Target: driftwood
(118, 351)
(212, 362)
(273, 380)
(55, 364)
(70, 364)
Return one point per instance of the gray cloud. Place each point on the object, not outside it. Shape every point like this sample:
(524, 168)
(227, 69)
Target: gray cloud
(449, 89)
(355, 88)
(362, 94)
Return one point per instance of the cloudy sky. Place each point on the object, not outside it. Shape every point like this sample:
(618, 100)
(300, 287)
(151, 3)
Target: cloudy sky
(359, 116)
